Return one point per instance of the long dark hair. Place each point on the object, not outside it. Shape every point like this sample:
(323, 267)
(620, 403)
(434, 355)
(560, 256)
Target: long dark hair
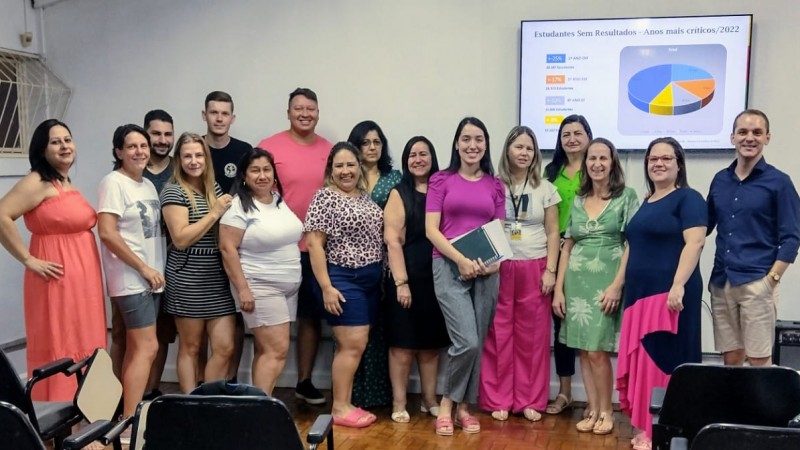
(455, 159)
(680, 158)
(242, 190)
(407, 184)
(359, 134)
(560, 156)
(38, 148)
(616, 179)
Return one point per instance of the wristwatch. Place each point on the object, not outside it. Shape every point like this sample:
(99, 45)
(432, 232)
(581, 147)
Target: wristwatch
(775, 276)
(551, 270)
(399, 283)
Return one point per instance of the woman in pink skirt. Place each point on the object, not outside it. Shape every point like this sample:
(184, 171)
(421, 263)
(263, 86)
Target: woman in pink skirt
(515, 367)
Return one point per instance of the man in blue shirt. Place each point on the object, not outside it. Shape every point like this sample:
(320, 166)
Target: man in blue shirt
(755, 209)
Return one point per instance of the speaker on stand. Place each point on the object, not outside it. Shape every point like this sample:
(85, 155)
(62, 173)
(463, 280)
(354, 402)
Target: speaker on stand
(786, 351)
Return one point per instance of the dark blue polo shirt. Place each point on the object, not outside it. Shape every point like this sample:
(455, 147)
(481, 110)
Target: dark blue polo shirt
(757, 222)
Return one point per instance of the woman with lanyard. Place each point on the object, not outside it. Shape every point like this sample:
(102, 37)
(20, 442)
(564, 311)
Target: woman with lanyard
(515, 366)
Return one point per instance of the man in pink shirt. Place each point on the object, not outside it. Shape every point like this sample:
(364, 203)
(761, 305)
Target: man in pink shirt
(300, 156)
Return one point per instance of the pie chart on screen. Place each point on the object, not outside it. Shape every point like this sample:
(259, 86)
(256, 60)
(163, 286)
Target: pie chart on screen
(671, 89)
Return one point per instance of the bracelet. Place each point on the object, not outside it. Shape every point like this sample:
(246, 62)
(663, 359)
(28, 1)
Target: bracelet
(551, 270)
(399, 283)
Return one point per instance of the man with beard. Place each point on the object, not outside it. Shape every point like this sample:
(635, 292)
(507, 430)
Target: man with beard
(158, 124)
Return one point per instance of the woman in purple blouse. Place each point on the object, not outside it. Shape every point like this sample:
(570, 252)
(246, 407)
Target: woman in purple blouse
(461, 198)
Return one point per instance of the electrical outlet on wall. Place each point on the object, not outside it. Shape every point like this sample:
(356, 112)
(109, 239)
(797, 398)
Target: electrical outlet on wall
(26, 38)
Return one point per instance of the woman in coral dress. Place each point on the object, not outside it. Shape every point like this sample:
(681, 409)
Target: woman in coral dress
(64, 306)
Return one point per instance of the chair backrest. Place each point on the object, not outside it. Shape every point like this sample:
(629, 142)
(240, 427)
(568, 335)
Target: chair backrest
(746, 437)
(698, 395)
(11, 388)
(99, 390)
(139, 426)
(225, 387)
(16, 431)
(176, 422)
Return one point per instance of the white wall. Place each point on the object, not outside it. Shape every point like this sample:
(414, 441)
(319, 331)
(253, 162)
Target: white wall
(17, 17)
(416, 67)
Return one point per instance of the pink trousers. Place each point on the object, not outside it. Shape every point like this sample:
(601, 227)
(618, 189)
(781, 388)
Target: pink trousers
(515, 365)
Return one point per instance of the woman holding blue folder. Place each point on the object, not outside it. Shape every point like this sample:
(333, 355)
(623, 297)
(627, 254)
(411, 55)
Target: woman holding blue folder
(461, 198)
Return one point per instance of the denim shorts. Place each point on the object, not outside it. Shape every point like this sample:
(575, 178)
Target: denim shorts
(361, 288)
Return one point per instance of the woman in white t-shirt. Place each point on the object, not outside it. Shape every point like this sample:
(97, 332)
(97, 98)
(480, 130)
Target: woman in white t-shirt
(129, 224)
(515, 366)
(258, 238)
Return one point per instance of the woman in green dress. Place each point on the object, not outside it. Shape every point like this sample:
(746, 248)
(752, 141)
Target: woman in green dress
(371, 385)
(590, 277)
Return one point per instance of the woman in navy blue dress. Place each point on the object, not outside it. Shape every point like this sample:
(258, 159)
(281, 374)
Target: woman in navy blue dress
(663, 287)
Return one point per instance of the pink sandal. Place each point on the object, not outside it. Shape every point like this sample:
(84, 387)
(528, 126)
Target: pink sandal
(444, 426)
(356, 418)
(468, 423)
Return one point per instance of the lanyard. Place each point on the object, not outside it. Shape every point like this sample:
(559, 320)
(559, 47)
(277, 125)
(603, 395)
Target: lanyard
(517, 200)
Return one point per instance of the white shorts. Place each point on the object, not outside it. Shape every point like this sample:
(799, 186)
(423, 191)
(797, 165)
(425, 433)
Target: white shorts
(275, 302)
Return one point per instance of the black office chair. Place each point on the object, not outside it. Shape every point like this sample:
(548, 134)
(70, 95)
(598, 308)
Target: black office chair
(699, 395)
(54, 420)
(725, 436)
(51, 420)
(18, 433)
(184, 422)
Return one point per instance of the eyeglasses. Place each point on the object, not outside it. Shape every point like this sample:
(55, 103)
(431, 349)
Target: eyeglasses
(664, 159)
(377, 143)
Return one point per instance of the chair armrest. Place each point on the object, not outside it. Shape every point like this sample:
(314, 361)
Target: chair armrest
(76, 367)
(679, 443)
(113, 434)
(320, 429)
(87, 435)
(47, 370)
(657, 399)
(663, 434)
(794, 423)
(53, 368)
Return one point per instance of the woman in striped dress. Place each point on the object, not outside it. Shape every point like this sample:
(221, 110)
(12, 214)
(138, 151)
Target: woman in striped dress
(198, 293)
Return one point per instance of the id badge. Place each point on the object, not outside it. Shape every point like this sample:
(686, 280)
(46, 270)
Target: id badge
(516, 231)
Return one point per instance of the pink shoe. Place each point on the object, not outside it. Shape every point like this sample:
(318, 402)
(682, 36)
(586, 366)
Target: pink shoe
(444, 426)
(469, 424)
(356, 418)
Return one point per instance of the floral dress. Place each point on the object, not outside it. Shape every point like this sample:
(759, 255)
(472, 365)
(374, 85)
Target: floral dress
(371, 384)
(593, 264)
